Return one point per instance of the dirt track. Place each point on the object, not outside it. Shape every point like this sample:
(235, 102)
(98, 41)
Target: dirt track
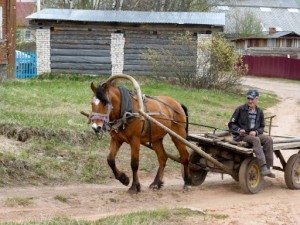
(275, 204)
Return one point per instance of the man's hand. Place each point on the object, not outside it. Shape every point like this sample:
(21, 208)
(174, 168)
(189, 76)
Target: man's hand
(252, 133)
(242, 132)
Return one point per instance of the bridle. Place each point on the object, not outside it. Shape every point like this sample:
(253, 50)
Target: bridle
(104, 117)
(101, 116)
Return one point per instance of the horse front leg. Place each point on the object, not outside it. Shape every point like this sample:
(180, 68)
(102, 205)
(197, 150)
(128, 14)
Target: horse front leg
(135, 155)
(162, 159)
(114, 148)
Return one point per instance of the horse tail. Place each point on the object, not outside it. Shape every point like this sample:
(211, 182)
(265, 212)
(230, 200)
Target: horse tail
(187, 118)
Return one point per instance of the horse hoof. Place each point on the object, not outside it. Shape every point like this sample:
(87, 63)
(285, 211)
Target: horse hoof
(124, 179)
(187, 188)
(134, 189)
(156, 185)
(153, 187)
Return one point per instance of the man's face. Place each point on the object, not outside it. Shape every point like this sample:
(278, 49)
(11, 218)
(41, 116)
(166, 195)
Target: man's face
(252, 102)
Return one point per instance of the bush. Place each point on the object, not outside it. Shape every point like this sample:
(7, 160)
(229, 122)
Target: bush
(223, 69)
(219, 66)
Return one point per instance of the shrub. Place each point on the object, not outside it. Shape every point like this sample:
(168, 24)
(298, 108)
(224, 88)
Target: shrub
(219, 66)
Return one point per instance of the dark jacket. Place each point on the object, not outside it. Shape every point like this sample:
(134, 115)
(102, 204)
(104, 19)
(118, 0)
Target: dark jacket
(240, 120)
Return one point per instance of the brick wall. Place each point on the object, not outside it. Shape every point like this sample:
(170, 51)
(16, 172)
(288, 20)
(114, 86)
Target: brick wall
(203, 62)
(43, 50)
(3, 42)
(117, 53)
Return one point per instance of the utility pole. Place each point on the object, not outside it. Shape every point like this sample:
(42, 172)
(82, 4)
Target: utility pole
(11, 37)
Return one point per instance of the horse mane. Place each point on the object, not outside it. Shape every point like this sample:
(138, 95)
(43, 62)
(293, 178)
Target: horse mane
(100, 93)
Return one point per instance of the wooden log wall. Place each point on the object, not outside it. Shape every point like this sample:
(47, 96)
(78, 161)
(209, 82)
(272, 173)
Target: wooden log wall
(266, 51)
(138, 42)
(80, 50)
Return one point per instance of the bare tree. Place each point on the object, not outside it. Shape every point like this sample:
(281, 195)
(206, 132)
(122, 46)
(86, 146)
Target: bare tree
(245, 24)
(138, 5)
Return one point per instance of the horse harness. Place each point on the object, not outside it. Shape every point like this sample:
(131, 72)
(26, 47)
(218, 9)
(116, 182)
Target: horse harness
(127, 113)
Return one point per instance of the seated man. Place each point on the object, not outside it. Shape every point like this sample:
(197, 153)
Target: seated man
(247, 124)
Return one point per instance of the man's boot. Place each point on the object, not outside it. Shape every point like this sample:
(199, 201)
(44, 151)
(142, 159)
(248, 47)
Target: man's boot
(265, 171)
(272, 175)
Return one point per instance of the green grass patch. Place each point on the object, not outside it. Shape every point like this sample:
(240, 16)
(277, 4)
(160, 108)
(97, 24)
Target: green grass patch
(61, 198)
(55, 103)
(18, 201)
(61, 148)
(175, 216)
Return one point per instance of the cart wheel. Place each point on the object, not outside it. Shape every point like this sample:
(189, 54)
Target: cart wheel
(249, 176)
(197, 175)
(292, 172)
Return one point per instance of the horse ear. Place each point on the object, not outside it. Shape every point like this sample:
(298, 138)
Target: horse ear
(93, 87)
(105, 86)
(113, 83)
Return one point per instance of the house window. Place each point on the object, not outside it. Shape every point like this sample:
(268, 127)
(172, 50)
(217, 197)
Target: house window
(225, 8)
(27, 35)
(1, 23)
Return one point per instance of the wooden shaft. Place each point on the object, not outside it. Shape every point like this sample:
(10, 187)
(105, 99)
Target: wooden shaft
(192, 146)
(85, 114)
(189, 144)
(135, 84)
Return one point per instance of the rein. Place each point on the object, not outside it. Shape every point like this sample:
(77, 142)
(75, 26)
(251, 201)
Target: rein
(163, 102)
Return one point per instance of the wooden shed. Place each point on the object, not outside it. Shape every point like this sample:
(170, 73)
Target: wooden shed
(112, 42)
(7, 38)
(276, 43)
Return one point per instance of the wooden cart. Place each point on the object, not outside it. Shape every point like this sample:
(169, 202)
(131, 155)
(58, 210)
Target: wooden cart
(240, 159)
(215, 152)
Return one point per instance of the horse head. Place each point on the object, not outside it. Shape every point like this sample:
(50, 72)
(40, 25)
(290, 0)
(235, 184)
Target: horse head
(101, 107)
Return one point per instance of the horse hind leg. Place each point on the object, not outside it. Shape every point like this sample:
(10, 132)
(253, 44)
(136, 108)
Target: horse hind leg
(184, 158)
(162, 159)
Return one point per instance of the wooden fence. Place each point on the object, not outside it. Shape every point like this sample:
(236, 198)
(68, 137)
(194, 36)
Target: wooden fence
(271, 66)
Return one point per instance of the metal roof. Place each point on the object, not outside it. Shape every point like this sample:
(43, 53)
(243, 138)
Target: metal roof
(278, 34)
(261, 3)
(280, 18)
(199, 18)
(282, 34)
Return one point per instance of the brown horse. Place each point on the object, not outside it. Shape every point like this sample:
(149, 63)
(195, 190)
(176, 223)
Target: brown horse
(130, 127)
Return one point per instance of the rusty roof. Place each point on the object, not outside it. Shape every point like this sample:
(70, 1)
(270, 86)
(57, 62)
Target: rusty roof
(23, 10)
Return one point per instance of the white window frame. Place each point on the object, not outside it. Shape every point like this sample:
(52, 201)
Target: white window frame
(27, 35)
(223, 7)
(265, 9)
(292, 10)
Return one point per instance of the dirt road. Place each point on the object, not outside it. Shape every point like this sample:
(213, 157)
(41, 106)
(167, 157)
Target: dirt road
(274, 204)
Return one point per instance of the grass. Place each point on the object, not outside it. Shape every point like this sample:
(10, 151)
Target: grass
(18, 201)
(61, 198)
(55, 104)
(60, 147)
(175, 216)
